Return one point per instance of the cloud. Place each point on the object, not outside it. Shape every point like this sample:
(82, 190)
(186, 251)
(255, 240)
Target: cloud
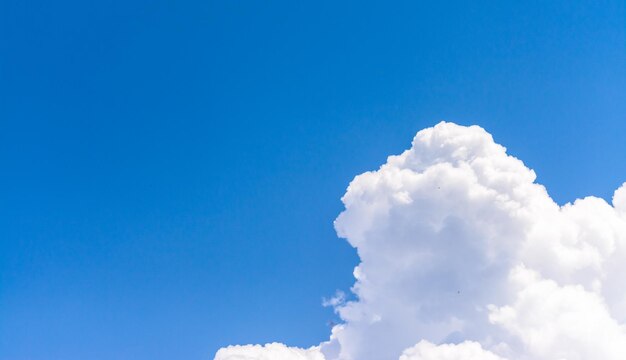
(273, 351)
(463, 254)
(337, 300)
(560, 322)
(467, 350)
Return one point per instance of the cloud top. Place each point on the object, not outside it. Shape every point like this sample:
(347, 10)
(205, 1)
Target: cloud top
(274, 351)
(464, 256)
(467, 350)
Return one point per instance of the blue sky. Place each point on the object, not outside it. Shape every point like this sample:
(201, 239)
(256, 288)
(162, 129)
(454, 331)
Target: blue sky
(171, 170)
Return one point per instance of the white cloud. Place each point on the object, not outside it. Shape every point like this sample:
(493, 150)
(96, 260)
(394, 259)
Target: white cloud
(460, 247)
(337, 300)
(467, 350)
(560, 322)
(619, 200)
(273, 351)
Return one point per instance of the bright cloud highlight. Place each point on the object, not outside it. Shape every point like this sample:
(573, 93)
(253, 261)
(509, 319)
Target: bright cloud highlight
(464, 256)
(273, 351)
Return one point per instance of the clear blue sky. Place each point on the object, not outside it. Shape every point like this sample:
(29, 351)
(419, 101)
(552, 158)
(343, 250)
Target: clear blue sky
(170, 170)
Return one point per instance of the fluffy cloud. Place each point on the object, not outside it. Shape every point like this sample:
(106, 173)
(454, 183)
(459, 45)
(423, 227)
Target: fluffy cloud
(273, 351)
(460, 247)
(467, 350)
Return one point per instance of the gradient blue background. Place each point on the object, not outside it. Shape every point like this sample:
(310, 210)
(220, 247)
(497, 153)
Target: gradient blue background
(170, 170)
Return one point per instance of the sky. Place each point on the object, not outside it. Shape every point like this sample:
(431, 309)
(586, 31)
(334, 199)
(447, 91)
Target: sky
(171, 170)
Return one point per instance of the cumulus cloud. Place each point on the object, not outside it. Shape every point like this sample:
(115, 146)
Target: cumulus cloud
(467, 350)
(273, 351)
(464, 256)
